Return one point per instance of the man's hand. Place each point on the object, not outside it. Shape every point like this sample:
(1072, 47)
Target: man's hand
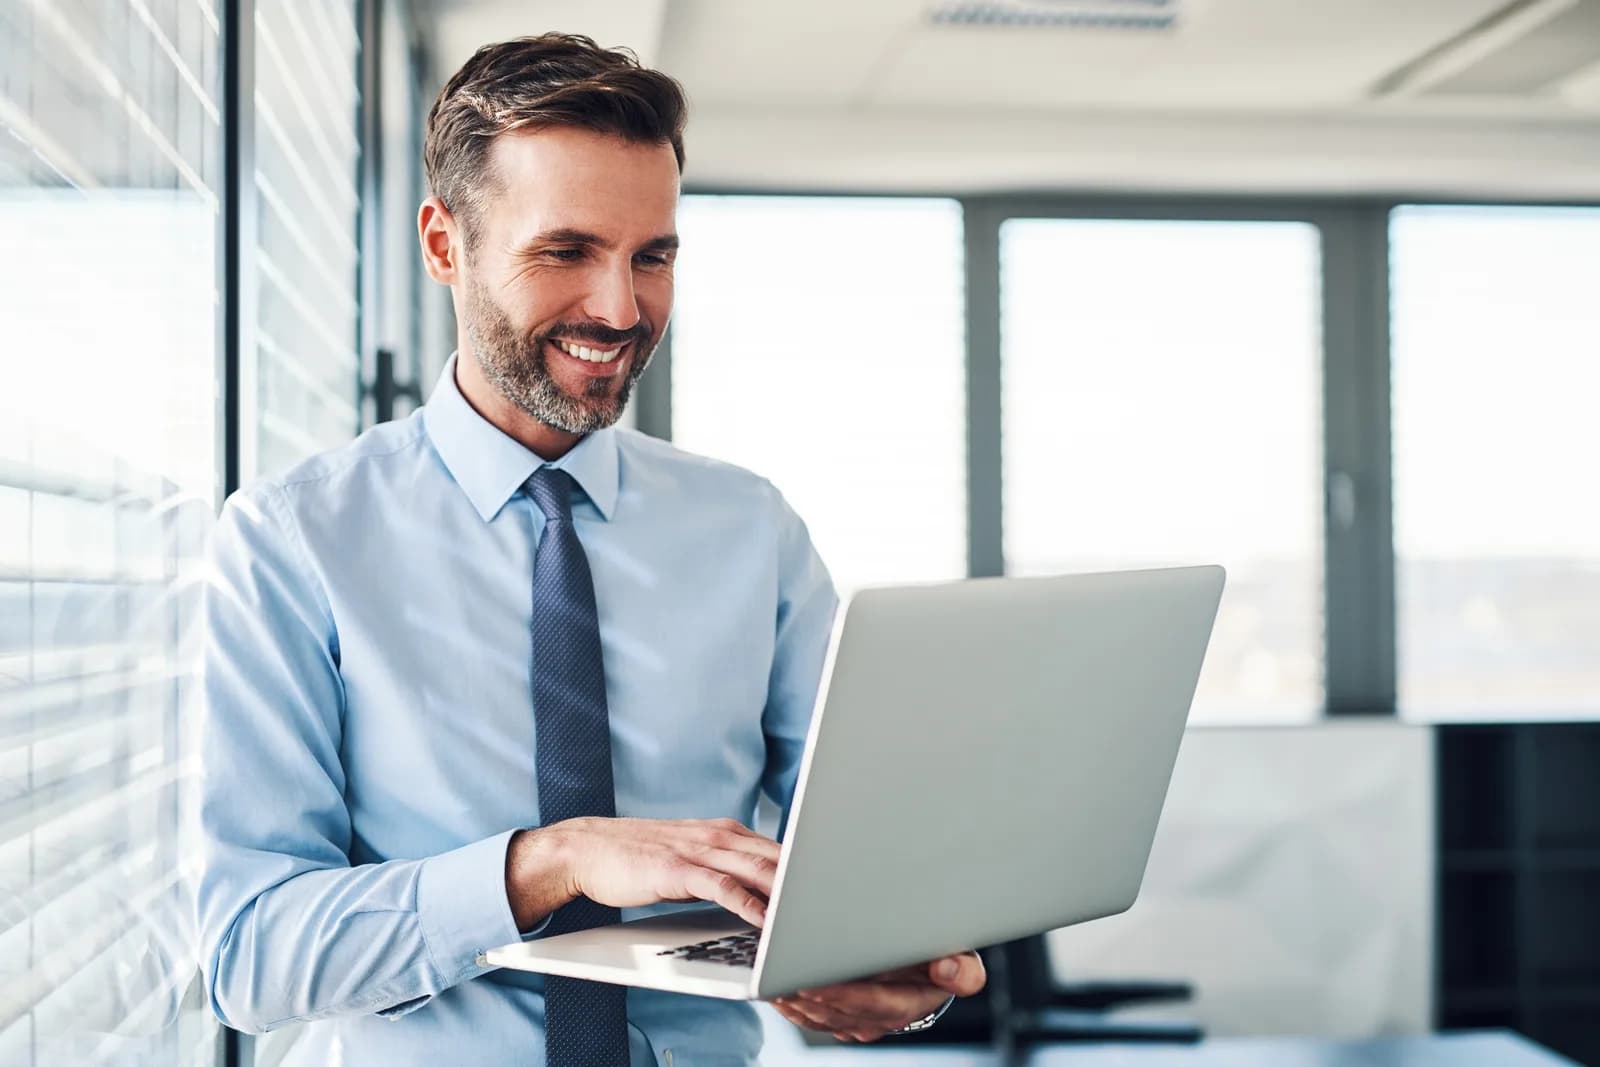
(630, 863)
(868, 1009)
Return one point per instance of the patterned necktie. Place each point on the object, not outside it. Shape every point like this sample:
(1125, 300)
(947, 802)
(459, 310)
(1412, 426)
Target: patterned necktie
(586, 1023)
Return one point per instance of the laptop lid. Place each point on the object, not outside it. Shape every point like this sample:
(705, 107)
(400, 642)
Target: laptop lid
(988, 760)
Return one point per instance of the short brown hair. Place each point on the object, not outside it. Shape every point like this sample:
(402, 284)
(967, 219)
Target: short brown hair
(555, 79)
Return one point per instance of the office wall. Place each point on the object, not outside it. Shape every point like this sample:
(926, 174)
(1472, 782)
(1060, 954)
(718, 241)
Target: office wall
(1291, 881)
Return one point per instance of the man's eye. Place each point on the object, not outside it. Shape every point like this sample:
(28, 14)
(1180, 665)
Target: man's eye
(565, 255)
(655, 259)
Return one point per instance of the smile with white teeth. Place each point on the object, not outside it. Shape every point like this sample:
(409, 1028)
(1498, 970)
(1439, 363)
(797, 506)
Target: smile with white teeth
(593, 355)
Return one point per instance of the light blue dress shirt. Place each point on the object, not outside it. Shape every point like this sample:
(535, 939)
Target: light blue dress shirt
(369, 742)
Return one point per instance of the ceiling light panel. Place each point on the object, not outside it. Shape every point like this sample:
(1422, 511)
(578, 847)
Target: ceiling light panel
(1074, 14)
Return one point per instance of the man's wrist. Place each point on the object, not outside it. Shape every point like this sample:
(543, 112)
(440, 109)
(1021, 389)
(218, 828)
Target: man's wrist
(538, 875)
(926, 1021)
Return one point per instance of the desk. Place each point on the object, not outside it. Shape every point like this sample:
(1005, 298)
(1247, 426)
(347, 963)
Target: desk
(1494, 1048)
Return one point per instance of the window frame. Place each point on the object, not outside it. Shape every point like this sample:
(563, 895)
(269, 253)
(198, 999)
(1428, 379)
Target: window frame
(1358, 571)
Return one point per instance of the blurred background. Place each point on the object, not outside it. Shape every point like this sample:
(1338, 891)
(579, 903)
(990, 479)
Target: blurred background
(1311, 289)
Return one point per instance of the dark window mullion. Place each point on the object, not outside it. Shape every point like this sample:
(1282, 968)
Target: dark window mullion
(980, 225)
(1358, 486)
(369, 229)
(236, 243)
(236, 247)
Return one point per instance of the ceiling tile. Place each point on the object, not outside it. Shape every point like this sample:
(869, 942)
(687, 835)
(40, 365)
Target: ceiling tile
(819, 52)
(1223, 54)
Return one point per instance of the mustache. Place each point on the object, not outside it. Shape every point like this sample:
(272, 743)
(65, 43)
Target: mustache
(597, 332)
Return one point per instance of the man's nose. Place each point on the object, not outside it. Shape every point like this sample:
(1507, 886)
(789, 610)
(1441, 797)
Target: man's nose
(612, 300)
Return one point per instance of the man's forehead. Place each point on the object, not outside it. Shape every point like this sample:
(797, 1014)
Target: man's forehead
(575, 179)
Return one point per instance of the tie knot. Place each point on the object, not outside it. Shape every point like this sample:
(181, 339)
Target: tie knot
(551, 490)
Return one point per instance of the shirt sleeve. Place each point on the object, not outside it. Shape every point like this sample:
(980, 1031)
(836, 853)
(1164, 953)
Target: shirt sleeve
(289, 930)
(806, 606)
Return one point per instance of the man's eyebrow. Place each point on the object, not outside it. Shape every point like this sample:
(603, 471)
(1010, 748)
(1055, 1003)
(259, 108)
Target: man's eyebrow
(563, 235)
(567, 235)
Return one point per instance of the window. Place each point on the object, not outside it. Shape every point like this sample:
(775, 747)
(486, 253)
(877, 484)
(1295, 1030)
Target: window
(1161, 405)
(308, 198)
(851, 311)
(109, 191)
(1496, 350)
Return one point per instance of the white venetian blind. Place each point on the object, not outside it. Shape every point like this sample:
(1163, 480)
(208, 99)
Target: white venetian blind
(305, 373)
(110, 155)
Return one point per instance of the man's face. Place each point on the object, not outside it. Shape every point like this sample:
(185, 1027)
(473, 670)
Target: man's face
(568, 285)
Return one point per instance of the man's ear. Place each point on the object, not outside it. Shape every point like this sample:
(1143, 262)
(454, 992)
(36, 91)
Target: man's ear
(441, 240)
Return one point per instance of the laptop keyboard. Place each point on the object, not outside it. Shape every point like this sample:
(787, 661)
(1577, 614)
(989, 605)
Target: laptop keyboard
(736, 951)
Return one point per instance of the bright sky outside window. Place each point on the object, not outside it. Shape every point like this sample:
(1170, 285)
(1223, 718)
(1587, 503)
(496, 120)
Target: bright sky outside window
(820, 342)
(1162, 398)
(1496, 349)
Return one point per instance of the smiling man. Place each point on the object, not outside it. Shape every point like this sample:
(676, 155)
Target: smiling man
(501, 669)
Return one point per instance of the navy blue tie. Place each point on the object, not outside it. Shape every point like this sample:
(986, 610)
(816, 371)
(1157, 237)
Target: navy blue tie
(586, 1023)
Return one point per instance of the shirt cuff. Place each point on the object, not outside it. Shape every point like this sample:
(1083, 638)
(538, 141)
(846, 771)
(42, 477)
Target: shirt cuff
(462, 905)
(538, 927)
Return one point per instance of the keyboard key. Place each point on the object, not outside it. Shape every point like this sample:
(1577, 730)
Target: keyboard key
(738, 950)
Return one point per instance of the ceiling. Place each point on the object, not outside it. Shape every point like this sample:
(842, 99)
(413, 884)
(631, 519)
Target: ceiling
(1408, 97)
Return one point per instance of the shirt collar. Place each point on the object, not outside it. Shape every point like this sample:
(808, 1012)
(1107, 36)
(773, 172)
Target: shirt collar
(491, 467)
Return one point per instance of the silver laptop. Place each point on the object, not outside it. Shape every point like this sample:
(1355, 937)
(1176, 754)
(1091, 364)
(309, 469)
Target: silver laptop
(987, 760)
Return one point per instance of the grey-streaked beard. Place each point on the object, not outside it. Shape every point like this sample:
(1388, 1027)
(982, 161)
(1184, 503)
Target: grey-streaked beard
(516, 365)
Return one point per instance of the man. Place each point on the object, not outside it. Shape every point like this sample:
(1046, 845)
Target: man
(501, 670)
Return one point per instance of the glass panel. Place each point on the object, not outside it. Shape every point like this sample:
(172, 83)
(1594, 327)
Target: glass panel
(306, 369)
(1161, 391)
(1496, 342)
(851, 310)
(110, 161)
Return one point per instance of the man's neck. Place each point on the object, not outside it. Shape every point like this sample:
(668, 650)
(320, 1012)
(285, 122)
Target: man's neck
(545, 441)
